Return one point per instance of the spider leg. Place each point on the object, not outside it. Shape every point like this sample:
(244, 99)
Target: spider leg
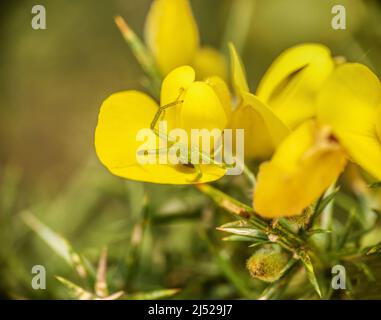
(198, 174)
(152, 151)
(161, 109)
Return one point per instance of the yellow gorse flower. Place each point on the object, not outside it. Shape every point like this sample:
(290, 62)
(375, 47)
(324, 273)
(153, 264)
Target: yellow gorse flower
(293, 80)
(172, 36)
(350, 102)
(284, 99)
(123, 114)
(303, 166)
(312, 157)
(264, 131)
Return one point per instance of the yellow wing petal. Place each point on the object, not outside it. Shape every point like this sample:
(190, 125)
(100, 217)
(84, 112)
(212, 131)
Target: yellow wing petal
(202, 109)
(221, 89)
(264, 131)
(238, 72)
(292, 81)
(121, 117)
(349, 103)
(176, 82)
(365, 151)
(209, 62)
(173, 88)
(171, 33)
(305, 164)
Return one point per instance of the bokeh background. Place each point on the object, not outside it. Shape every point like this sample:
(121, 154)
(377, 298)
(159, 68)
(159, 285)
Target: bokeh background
(52, 83)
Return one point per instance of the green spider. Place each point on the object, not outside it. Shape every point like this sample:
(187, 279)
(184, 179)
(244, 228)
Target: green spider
(185, 155)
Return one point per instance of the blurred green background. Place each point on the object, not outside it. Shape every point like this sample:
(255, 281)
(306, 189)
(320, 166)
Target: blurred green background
(52, 83)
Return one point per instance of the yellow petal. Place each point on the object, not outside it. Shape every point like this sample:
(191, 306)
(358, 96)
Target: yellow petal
(365, 151)
(263, 129)
(169, 174)
(177, 81)
(221, 89)
(171, 33)
(258, 144)
(378, 122)
(121, 117)
(173, 88)
(349, 103)
(304, 165)
(209, 62)
(201, 109)
(237, 72)
(291, 83)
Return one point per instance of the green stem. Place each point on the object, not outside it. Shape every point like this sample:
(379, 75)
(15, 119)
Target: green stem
(276, 233)
(141, 53)
(249, 175)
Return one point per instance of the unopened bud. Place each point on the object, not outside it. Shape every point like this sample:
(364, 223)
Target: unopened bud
(302, 220)
(267, 264)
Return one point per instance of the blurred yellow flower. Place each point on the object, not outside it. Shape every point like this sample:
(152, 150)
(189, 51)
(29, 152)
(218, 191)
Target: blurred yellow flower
(285, 96)
(172, 36)
(312, 157)
(303, 166)
(123, 114)
(207, 62)
(293, 80)
(350, 102)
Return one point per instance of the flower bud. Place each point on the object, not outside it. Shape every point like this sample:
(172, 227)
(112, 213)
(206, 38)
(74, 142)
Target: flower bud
(302, 220)
(171, 34)
(267, 264)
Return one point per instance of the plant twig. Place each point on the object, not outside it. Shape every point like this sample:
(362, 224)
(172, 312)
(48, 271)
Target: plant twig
(276, 232)
(140, 52)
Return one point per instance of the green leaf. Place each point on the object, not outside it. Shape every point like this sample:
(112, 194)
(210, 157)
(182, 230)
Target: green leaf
(238, 238)
(141, 53)
(322, 203)
(137, 198)
(82, 294)
(310, 271)
(153, 295)
(253, 233)
(100, 286)
(236, 224)
(77, 291)
(242, 228)
(56, 242)
(259, 243)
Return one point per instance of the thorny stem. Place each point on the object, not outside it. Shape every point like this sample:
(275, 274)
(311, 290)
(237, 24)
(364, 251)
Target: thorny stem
(275, 232)
(140, 52)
